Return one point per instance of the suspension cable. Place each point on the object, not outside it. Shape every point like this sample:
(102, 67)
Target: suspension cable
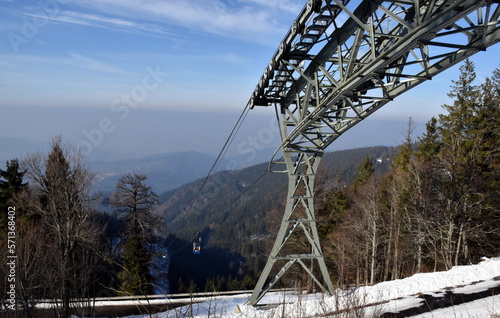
(215, 165)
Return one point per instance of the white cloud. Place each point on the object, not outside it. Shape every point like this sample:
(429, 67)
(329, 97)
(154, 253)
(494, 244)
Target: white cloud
(20, 60)
(92, 64)
(107, 22)
(229, 58)
(293, 7)
(255, 20)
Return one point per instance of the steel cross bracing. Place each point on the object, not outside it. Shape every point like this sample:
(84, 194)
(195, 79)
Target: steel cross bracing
(297, 241)
(340, 62)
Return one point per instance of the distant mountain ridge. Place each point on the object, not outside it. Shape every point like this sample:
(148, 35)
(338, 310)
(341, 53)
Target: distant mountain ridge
(12, 148)
(165, 171)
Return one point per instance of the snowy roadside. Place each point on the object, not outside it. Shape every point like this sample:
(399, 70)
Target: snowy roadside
(370, 301)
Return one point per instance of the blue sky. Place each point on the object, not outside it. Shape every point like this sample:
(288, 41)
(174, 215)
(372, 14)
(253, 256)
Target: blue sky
(84, 53)
(71, 67)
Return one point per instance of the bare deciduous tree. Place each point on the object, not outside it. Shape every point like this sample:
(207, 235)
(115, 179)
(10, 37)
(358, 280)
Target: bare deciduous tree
(61, 189)
(136, 202)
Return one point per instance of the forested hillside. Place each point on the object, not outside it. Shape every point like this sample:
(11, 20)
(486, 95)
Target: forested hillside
(237, 214)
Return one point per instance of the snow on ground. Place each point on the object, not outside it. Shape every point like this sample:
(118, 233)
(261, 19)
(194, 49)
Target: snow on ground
(429, 282)
(482, 308)
(370, 301)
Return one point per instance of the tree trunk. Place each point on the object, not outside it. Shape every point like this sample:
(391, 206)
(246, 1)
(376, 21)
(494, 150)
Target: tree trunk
(396, 253)
(389, 246)
(373, 251)
(419, 254)
(459, 244)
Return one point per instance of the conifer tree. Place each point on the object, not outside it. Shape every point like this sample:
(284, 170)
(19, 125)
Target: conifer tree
(364, 173)
(462, 162)
(135, 277)
(430, 143)
(405, 151)
(135, 201)
(488, 132)
(11, 183)
(12, 180)
(487, 128)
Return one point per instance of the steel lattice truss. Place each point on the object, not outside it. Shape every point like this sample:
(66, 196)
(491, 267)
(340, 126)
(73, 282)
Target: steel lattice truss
(297, 242)
(340, 62)
(328, 75)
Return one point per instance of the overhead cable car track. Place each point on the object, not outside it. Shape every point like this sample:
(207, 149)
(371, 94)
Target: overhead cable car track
(340, 62)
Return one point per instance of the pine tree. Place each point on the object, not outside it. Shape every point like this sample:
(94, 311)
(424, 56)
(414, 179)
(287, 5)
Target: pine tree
(331, 211)
(11, 185)
(135, 201)
(487, 129)
(430, 144)
(405, 151)
(12, 180)
(462, 162)
(364, 173)
(135, 277)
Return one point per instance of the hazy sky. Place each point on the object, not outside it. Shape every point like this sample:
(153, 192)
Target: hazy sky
(144, 76)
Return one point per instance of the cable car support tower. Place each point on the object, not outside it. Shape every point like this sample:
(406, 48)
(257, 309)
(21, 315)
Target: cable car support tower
(341, 61)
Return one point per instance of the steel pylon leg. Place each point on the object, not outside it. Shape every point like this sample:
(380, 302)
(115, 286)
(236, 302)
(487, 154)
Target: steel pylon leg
(297, 241)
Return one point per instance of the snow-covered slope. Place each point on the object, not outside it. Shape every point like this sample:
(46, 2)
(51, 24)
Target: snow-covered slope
(464, 291)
